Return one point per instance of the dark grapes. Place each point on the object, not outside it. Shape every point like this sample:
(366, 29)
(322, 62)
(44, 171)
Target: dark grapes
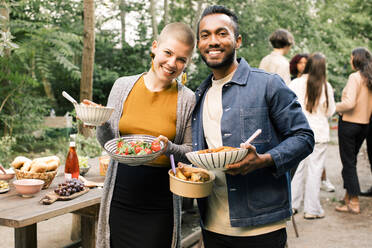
(69, 187)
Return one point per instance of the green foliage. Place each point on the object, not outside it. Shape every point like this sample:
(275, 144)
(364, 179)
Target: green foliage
(6, 144)
(88, 147)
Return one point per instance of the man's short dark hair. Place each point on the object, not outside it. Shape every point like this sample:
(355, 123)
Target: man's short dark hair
(219, 9)
(281, 38)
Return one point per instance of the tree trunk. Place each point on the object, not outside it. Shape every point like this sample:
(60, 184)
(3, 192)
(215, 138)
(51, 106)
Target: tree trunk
(153, 20)
(86, 84)
(166, 12)
(48, 89)
(122, 7)
(197, 16)
(4, 21)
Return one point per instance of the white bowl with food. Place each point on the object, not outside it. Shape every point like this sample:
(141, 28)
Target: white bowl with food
(134, 149)
(8, 175)
(90, 113)
(216, 159)
(191, 182)
(93, 115)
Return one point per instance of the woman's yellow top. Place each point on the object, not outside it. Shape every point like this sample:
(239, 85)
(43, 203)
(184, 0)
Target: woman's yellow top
(151, 113)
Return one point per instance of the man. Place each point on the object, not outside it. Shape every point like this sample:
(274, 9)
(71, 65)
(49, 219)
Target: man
(282, 41)
(250, 203)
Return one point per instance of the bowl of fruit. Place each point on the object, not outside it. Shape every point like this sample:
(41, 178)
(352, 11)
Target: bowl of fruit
(83, 165)
(134, 149)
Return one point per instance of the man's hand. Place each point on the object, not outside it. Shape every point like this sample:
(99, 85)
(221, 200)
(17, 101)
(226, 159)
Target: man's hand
(251, 162)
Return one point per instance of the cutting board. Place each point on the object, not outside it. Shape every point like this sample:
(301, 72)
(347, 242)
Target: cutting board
(51, 197)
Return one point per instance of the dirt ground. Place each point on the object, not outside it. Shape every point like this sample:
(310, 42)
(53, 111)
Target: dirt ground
(336, 230)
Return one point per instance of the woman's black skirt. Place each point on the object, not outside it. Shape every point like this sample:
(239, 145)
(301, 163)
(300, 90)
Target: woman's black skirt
(141, 212)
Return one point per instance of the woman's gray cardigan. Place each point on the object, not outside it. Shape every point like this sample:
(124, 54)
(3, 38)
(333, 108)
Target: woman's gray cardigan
(181, 145)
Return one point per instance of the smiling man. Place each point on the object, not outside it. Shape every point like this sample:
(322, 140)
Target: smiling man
(250, 202)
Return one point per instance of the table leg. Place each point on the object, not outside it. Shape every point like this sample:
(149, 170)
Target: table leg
(88, 231)
(25, 237)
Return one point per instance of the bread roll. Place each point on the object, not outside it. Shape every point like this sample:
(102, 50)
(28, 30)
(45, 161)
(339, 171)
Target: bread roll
(52, 165)
(26, 166)
(19, 161)
(39, 167)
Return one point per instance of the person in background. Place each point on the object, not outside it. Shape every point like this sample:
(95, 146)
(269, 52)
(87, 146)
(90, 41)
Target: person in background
(137, 208)
(368, 192)
(316, 97)
(297, 65)
(250, 202)
(281, 41)
(355, 111)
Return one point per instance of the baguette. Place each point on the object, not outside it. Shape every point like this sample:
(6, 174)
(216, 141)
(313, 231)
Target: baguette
(39, 167)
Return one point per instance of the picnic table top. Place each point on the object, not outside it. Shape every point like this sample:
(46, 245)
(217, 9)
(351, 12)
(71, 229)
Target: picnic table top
(17, 211)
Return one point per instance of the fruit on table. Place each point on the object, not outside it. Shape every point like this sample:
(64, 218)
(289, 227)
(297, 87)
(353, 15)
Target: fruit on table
(137, 147)
(83, 161)
(69, 187)
(3, 185)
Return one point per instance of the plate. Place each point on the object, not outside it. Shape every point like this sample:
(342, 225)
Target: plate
(4, 190)
(133, 160)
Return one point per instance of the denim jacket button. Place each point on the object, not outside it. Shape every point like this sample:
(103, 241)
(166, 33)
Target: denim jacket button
(233, 189)
(194, 119)
(227, 109)
(196, 144)
(227, 134)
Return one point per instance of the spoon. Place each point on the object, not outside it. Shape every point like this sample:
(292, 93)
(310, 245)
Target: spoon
(172, 163)
(2, 169)
(68, 97)
(253, 136)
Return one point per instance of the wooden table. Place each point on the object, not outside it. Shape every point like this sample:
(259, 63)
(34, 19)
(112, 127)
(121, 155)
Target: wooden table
(23, 214)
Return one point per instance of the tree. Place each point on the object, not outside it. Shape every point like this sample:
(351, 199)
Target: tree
(86, 84)
(122, 7)
(154, 23)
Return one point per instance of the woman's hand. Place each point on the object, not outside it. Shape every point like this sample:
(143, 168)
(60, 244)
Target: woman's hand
(164, 140)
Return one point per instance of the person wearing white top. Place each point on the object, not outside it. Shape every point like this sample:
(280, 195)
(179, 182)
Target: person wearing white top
(316, 97)
(282, 41)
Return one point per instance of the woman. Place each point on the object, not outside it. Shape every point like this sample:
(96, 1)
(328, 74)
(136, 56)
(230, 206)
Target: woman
(137, 208)
(315, 95)
(297, 65)
(355, 111)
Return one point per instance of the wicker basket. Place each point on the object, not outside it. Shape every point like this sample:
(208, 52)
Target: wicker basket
(47, 177)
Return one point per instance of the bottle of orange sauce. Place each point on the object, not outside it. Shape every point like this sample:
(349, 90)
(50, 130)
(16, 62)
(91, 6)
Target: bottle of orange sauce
(72, 161)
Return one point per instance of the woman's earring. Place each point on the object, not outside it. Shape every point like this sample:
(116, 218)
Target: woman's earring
(152, 55)
(184, 78)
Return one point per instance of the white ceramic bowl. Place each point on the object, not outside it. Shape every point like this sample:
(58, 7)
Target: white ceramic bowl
(191, 189)
(92, 115)
(28, 187)
(133, 160)
(216, 160)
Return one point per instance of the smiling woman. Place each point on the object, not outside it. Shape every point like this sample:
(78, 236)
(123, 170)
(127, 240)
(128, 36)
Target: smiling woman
(137, 209)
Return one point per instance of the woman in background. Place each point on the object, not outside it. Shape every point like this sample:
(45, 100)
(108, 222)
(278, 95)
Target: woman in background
(355, 111)
(315, 95)
(297, 65)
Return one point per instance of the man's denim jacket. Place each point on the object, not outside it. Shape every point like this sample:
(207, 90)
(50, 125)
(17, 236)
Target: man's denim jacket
(256, 99)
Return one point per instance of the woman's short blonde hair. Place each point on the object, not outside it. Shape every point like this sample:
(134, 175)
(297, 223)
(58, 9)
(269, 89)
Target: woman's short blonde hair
(179, 31)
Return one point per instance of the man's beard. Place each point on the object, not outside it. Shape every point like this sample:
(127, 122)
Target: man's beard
(226, 62)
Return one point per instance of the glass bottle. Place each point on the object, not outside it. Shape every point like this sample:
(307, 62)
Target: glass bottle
(72, 161)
